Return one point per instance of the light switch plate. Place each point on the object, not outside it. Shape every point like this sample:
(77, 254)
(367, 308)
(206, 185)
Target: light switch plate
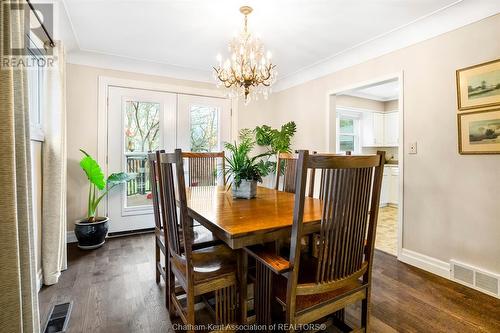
(413, 148)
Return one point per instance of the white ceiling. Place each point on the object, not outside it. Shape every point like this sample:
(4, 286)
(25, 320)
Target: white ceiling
(383, 91)
(187, 35)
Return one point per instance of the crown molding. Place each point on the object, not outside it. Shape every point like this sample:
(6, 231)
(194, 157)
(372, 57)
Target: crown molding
(444, 20)
(127, 64)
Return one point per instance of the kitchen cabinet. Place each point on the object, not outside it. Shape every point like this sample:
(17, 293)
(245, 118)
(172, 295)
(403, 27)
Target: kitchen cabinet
(384, 193)
(391, 129)
(389, 193)
(380, 129)
(394, 186)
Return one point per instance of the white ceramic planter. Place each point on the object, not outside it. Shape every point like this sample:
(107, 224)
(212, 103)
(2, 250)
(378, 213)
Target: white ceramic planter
(246, 190)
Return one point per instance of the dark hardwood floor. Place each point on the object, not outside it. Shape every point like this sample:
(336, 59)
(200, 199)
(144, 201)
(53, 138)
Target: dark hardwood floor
(114, 290)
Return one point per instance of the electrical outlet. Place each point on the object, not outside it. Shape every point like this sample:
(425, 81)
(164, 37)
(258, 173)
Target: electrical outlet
(413, 148)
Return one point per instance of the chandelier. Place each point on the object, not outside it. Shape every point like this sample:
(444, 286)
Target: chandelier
(247, 72)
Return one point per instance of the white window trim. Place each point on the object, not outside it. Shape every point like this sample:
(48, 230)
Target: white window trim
(356, 116)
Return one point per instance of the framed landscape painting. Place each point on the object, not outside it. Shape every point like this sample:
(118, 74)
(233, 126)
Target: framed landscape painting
(479, 132)
(479, 86)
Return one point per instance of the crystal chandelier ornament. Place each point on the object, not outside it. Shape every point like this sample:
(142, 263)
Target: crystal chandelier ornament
(248, 72)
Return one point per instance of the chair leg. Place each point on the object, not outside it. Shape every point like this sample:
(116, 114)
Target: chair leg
(365, 311)
(190, 312)
(170, 291)
(157, 261)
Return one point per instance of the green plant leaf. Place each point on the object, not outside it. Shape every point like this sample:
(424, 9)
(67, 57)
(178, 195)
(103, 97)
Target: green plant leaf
(93, 171)
(120, 177)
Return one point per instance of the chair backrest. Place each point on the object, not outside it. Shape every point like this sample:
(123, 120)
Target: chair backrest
(350, 201)
(204, 169)
(322, 178)
(154, 182)
(286, 164)
(172, 191)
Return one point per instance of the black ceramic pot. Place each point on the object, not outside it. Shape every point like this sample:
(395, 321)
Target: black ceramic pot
(91, 235)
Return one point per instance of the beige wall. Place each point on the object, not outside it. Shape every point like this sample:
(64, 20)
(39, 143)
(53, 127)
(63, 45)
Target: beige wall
(451, 207)
(359, 103)
(82, 90)
(391, 105)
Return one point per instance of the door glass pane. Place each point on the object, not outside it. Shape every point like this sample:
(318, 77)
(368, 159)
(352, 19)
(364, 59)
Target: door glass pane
(142, 134)
(346, 142)
(346, 125)
(204, 129)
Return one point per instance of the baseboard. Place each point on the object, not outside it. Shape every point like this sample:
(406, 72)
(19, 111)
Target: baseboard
(39, 280)
(426, 263)
(70, 237)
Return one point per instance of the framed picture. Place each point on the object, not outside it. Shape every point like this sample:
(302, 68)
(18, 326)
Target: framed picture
(479, 86)
(479, 132)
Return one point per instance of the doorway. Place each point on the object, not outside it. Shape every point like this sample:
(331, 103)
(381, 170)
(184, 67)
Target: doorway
(367, 118)
(140, 121)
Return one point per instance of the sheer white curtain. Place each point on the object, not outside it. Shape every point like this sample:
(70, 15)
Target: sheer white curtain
(54, 171)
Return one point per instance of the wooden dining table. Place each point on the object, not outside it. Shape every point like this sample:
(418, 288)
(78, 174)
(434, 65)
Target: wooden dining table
(241, 222)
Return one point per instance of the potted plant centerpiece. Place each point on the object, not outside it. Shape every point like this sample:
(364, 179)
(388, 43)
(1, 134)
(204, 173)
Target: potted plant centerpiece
(244, 171)
(91, 231)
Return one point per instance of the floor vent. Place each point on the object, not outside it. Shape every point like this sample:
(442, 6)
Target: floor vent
(58, 318)
(476, 278)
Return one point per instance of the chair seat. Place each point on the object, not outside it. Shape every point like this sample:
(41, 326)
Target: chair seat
(202, 237)
(211, 263)
(307, 274)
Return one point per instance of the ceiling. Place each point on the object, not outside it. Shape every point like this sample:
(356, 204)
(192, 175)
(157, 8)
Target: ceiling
(382, 91)
(188, 34)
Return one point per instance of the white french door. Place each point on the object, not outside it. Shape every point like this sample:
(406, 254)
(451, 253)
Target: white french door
(140, 121)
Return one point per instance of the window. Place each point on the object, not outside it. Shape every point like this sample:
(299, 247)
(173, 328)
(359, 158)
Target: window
(347, 131)
(142, 134)
(204, 129)
(35, 90)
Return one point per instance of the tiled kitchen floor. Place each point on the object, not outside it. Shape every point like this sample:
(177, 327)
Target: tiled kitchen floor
(387, 230)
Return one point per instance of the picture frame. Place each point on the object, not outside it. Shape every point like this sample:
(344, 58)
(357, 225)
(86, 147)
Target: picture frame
(478, 86)
(479, 132)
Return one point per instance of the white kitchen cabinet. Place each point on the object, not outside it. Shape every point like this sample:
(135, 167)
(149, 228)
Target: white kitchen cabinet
(384, 192)
(367, 134)
(390, 186)
(391, 129)
(372, 125)
(380, 129)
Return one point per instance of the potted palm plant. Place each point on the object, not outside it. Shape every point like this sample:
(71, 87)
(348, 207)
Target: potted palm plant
(243, 171)
(91, 231)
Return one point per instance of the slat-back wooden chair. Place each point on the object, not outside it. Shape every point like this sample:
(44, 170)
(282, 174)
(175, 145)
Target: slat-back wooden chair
(202, 271)
(202, 237)
(312, 288)
(289, 162)
(159, 234)
(204, 169)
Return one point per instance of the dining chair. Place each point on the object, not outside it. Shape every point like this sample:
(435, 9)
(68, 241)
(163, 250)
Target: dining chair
(311, 288)
(201, 236)
(204, 169)
(198, 271)
(286, 165)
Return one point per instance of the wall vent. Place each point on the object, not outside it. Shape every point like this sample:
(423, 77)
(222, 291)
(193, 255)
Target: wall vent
(476, 278)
